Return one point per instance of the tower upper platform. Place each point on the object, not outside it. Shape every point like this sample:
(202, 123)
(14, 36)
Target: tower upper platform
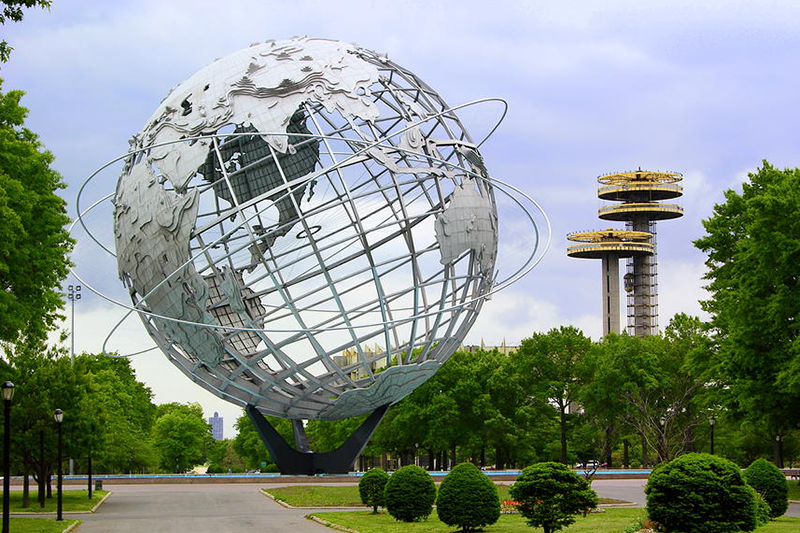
(620, 243)
(640, 186)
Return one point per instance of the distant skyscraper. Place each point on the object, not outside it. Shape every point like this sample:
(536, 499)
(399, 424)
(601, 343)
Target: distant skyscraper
(216, 426)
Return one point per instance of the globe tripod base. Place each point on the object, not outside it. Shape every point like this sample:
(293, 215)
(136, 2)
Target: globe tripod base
(293, 462)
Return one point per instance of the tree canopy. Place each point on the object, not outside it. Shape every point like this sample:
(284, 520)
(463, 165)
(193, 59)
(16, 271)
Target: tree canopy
(753, 246)
(33, 240)
(12, 11)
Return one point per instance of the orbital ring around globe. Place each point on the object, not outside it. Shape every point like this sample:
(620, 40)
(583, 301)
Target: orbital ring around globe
(521, 271)
(307, 228)
(531, 262)
(513, 193)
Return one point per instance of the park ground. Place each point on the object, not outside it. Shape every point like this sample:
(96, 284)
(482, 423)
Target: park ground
(243, 508)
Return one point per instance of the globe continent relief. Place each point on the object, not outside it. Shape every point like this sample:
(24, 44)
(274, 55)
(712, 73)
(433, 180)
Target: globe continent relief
(306, 227)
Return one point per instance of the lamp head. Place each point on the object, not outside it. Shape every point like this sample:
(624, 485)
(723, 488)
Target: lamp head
(58, 415)
(8, 390)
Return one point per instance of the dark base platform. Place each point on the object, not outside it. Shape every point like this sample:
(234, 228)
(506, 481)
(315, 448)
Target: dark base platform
(304, 462)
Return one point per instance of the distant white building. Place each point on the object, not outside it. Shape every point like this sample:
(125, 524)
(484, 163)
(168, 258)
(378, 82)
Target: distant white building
(216, 426)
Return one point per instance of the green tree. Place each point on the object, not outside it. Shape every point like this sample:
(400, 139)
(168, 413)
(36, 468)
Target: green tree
(550, 495)
(33, 241)
(551, 362)
(12, 10)
(700, 493)
(754, 280)
(771, 483)
(222, 458)
(45, 380)
(467, 499)
(123, 415)
(410, 493)
(654, 377)
(371, 488)
(181, 437)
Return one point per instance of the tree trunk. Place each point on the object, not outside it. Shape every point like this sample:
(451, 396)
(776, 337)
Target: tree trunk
(483, 456)
(42, 472)
(609, 432)
(452, 455)
(26, 489)
(498, 458)
(49, 485)
(644, 451)
(431, 458)
(625, 460)
(563, 434)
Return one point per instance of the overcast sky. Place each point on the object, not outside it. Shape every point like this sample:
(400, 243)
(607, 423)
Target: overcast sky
(708, 89)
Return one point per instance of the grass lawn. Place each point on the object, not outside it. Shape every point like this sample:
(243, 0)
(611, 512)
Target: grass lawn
(794, 490)
(38, 525)
(610, 521)
(72, 500)
(345, 496)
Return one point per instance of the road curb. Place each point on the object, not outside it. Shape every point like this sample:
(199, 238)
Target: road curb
(72, 526)
(330, 524)
(276, 500)
(102, 500)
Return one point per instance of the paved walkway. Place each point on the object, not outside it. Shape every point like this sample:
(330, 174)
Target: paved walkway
(234, 508)
(241, 508)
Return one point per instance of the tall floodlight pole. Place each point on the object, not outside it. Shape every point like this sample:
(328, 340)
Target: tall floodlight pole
(8, 394)
(59, 416)
(74, 294)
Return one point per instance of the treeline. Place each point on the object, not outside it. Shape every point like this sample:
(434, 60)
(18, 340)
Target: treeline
(622, 401)
(109, 416)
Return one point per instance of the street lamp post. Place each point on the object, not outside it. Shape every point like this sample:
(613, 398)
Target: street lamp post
(711, 421)
(8, 394)
(59, 416)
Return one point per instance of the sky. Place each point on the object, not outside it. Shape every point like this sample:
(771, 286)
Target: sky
(708, 89)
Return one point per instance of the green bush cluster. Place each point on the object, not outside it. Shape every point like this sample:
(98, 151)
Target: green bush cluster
(550, 495)
(700, 493)
(467, 498)
(410, 493)
(771, 484)
(371, 488)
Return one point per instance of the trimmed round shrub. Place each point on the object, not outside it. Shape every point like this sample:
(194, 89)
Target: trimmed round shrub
(371, 488)
(762, 509)
(410, 493)
(770, 482)
(467, 498)
(700, 493)
(550, 495)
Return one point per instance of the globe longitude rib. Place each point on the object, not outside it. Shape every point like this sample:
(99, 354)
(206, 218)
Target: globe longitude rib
(282, 292)
(324, 356)
(366, 247)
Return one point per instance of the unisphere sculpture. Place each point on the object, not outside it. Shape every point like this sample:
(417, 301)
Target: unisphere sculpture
(307, 229)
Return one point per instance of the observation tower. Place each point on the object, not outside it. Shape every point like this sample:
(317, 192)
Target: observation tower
(641, 194)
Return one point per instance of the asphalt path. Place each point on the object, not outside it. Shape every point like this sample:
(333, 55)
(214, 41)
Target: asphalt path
(242, 508)
(201, 508)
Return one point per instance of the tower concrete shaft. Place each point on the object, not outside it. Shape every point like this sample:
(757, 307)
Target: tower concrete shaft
(611, 322)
